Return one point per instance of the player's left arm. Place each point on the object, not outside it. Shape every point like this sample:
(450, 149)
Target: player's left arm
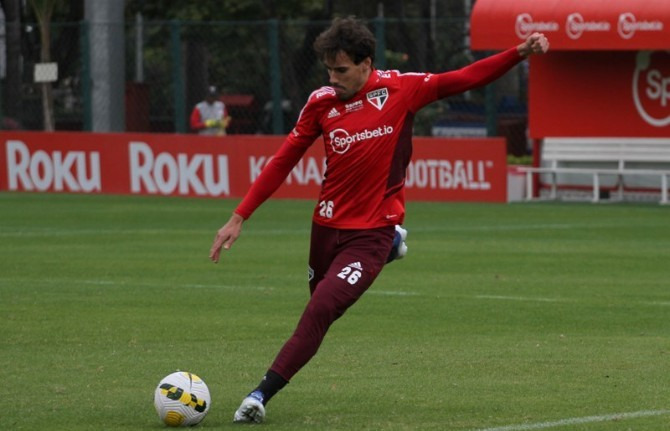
(489, 69)
(536, 43)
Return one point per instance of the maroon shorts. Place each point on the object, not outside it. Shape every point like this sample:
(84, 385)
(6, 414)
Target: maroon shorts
(351, 258)
(342, 265)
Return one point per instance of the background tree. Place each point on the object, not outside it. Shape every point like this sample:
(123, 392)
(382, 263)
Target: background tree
(227, 43)
(12, 88)
(43, 10)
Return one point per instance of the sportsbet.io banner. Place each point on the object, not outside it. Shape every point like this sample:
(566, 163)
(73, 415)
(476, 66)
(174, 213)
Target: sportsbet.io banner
(220, 167)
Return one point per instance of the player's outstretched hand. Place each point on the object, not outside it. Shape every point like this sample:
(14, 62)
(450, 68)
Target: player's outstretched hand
(226, 236)
(536, 43)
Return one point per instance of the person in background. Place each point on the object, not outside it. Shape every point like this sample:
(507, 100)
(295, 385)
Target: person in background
(210, 117)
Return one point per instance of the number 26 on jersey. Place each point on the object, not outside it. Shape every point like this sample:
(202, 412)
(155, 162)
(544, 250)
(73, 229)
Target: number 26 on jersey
(326, 209)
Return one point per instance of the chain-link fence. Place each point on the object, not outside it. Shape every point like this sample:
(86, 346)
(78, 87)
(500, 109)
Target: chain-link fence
(265, 71)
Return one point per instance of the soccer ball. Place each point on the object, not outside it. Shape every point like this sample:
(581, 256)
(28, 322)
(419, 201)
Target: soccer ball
(182, 399)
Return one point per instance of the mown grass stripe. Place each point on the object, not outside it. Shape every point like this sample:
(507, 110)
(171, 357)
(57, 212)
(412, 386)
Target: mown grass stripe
(579, 421)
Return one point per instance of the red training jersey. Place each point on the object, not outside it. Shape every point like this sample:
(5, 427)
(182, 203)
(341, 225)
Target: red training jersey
(368, 142)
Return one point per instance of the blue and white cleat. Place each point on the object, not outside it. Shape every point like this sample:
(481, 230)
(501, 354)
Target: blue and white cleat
(251, 410)
(399, 248)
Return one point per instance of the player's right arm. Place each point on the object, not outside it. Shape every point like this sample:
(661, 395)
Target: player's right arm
(272, 176)
(289, 154)
(226, 236)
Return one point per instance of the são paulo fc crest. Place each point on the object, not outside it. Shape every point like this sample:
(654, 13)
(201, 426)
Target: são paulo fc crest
(378, 97)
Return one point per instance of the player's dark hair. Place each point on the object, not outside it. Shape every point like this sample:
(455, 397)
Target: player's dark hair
(348, 35)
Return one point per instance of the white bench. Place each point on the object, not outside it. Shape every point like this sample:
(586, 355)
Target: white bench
(596, 157)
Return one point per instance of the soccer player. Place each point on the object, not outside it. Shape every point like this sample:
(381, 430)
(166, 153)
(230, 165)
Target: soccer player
(365, 117)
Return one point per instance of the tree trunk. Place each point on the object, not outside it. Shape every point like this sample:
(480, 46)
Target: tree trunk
(43, 10)
(12, 93)
(47, 93)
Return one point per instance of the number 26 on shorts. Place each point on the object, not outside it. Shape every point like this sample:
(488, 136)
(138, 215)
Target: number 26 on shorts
(350, 275)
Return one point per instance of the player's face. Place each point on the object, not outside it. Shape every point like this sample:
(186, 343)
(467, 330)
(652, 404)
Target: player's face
(345, 77)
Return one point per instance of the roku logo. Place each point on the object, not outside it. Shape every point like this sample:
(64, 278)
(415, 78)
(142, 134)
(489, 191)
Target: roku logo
(168, 173)
(651, 87)
(72, 171)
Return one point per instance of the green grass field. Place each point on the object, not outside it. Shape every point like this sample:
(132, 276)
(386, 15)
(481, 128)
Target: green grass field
(502, 317)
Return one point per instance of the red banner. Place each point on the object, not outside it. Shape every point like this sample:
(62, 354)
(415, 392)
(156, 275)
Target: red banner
(458, 170)
(187, 165)
(572, 24)
(617, 94)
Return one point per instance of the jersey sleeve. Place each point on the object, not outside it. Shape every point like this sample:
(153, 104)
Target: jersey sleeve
(477, 74)
(420, 89)
(306, 130)
(272, 176)
(424, 88)
(308, 126)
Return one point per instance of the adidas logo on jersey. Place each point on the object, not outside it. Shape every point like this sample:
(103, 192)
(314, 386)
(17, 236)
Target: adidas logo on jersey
(356, 265)
(333, 113)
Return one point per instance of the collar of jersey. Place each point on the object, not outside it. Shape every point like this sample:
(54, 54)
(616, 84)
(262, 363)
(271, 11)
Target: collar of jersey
(373, 79)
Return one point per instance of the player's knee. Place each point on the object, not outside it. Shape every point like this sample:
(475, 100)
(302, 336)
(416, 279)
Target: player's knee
(322, 308)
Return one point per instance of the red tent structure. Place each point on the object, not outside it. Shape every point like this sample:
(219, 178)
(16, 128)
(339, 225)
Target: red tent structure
(608, 70)
(573, 25)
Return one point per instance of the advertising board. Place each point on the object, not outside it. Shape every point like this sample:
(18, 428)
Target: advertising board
(195, 166)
